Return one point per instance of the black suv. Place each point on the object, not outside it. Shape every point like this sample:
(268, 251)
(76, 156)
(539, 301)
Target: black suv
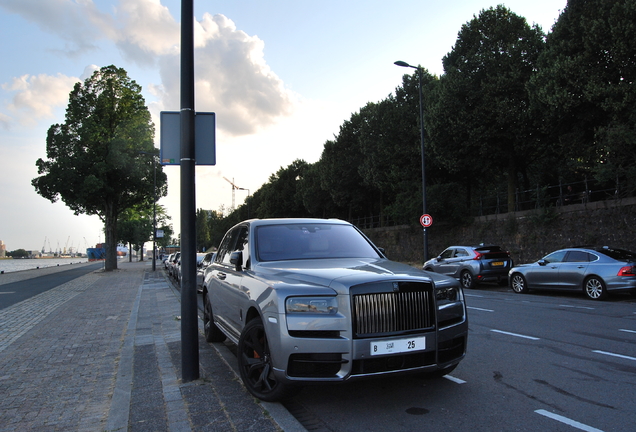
(473, 264)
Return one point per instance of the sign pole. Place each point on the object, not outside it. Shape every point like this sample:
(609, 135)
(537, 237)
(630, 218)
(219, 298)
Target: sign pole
(189, 319)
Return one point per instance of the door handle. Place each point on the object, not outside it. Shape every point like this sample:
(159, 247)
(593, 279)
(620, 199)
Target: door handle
(221, 276)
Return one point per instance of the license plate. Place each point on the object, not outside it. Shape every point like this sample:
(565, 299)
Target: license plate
(497, 264)
(398, 345)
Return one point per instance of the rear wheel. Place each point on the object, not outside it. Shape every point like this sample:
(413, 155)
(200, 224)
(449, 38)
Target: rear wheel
(255, 365)
(594, 288)
(212, 332)
(467, 280)
(518, 283)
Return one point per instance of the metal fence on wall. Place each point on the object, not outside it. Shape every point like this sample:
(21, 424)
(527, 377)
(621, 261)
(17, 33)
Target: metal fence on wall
(579, 192)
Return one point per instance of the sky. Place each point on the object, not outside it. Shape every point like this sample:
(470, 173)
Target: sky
(281, 77)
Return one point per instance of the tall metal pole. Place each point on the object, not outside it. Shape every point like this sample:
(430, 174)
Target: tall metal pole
(189, 323)
(419, 80)
(154, 213)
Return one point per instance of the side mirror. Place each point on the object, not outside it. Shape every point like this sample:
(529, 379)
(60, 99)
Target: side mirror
(542, 262)
(236, 258)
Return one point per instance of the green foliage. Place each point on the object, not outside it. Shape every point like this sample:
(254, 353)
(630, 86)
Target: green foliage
(19, 253)
(515, 110)
(93, 162)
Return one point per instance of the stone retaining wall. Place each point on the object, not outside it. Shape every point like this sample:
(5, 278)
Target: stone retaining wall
(528, 235)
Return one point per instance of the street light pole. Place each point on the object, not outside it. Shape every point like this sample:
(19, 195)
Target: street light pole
(419, 79)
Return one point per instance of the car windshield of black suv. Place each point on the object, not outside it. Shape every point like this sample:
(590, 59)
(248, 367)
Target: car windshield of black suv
(311, 241)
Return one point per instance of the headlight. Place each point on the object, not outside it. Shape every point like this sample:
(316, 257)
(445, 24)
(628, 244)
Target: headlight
(447, 294)
(316, 305)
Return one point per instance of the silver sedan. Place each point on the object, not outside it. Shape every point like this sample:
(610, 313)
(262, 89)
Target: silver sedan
(595, 271)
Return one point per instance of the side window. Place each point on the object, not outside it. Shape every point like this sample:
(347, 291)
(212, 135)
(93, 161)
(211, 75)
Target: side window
(461, 253)
(227, 244)
(447, 253)
(235, 240)
(555, 257)
(577, 256)
(241, 244)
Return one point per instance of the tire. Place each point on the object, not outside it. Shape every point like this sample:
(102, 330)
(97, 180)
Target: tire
(518, 283)
(594, 288)
(255, 365)
(467, 280)
(212, 332)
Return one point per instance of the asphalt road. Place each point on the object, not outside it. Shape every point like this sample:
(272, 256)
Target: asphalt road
(535, 362)
(15, 292)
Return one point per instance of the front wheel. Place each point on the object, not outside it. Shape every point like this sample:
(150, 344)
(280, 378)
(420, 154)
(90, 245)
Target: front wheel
(518, 284)
(594, 288)
(467, 280)
(255, 365)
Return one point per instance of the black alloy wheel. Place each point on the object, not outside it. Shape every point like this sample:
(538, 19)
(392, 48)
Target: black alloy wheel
(467, 280)
(255, 365)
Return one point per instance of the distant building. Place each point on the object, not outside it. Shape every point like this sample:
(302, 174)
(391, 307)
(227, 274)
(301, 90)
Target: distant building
(3, 250)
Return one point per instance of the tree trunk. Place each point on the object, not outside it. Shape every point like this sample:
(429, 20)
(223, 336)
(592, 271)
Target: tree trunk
(110, 225)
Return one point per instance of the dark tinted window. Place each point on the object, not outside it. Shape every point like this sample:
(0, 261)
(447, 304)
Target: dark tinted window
(555, 257)
(618, 254)
(579, 256)
(447, 253)
(311, 241)
(461, 252)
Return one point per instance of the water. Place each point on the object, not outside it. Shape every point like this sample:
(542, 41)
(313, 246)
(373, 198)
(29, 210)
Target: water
(13, 265)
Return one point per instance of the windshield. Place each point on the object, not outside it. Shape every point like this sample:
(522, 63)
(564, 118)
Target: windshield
(311, 241)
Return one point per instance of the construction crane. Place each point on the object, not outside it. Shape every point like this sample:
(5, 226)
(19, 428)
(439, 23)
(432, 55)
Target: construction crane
(234, 188)
(44, 245)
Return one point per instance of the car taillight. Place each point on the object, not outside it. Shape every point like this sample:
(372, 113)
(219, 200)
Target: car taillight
(478, 255)
(627, 271)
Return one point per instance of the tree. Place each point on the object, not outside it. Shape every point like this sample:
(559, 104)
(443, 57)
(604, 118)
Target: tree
(18, 253)
(585, 87)
(483, 123)
(93, 161)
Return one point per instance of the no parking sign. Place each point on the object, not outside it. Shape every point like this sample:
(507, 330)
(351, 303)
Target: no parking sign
(426, 220)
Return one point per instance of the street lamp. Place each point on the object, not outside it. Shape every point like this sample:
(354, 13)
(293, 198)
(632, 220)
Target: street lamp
(419, 79)
(154, 208)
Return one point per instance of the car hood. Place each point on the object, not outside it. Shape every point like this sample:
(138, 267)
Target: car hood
(339, 274)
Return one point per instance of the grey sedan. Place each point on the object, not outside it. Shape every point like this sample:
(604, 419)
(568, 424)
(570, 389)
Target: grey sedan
(595, 271)
(313, 300)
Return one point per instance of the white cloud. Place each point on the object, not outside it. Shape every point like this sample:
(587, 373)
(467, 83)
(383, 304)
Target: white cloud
(36, 96)
(232, 77)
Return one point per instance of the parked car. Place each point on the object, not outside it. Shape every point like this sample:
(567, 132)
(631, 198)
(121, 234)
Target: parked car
(313, 300)
(166, 262)
(596, 271)
(202, 267)
(172, 263)
(473, 264)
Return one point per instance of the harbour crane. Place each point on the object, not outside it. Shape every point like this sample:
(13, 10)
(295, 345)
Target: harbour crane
(234, 188)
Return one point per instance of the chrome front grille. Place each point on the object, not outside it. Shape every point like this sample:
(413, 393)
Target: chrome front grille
(411, 308)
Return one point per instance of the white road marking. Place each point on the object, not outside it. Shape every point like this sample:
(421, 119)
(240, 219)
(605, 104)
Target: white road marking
(615, 355)
(455, 380)
(577, 307)
(514, 334)
(473, 295)
(8, 292)
(479, 309)
(568, 421)
(628, 331)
